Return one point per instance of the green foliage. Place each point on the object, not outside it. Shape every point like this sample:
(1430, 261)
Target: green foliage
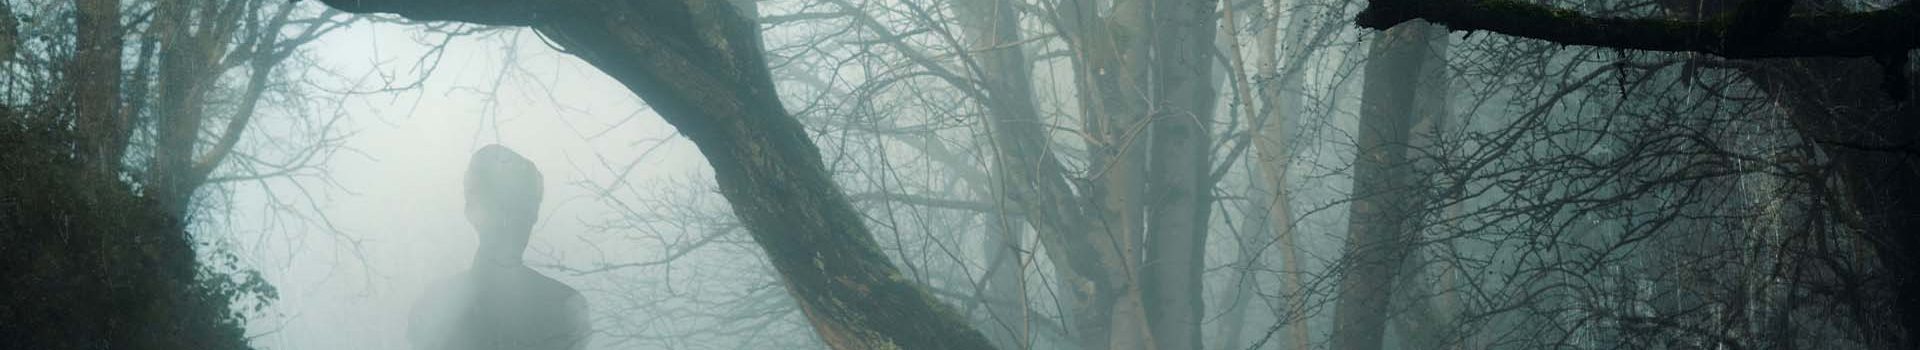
(87, 263)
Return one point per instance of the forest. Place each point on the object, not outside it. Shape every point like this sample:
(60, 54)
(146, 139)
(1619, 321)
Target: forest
(959, 174)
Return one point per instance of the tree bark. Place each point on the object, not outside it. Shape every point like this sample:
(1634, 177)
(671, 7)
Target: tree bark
(1428, 313)
(991, 29)
(1761, 30)
(1112, 77)
(1092, 226)
(1280, 104)
(1007, 324)
(1378, 238)
(186, 53)
(95, 75)
(1179, 182)
(194, 41)
(9, 32)
(699, 63)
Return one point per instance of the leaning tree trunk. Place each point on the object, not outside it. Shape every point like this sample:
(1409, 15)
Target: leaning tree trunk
(699, 63)
(1377, 238)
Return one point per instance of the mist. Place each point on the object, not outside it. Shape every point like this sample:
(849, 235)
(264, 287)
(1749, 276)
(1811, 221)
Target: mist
(946, 174)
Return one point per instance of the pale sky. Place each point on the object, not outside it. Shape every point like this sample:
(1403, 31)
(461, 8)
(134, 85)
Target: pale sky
(404, 204)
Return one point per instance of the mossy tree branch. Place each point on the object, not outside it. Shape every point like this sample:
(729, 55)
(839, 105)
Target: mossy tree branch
(699, 64)
(1759, 29)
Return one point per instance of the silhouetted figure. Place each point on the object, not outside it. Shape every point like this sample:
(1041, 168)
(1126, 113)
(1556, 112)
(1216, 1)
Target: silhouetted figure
(499, 303)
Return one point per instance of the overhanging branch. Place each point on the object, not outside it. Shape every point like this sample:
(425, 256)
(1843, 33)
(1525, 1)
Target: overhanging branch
(1744, 35)
(487, 12)
(700, 65)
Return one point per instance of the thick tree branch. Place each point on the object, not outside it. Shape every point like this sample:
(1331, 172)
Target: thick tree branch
(699, 64)
(488, 12)
(1761, 29)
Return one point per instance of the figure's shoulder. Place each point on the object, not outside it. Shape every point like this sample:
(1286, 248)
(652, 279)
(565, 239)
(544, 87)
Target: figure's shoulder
(519, 283)
(547, 285)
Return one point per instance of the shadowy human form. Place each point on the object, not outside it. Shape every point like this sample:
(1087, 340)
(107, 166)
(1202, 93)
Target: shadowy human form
(499, 303)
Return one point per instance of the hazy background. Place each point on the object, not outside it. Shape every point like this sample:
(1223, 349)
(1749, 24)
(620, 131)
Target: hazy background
(1554, 190)
(395, 206)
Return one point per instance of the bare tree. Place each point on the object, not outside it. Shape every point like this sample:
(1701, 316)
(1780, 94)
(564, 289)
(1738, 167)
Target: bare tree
(700, 65)
(1378, 237)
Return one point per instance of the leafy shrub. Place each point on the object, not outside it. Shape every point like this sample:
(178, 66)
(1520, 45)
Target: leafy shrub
(86, 262)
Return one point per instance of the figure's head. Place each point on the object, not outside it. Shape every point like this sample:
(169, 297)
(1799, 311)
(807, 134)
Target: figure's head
(503, 196)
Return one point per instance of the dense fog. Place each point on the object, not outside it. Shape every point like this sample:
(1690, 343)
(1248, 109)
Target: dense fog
(959, 174)
(393, 215)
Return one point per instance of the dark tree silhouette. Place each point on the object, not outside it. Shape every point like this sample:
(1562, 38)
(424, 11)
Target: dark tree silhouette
(1756, 29)
(1869, 141)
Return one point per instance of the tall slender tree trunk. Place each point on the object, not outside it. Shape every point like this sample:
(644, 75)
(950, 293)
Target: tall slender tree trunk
(992, 31)
(1180, 183)
(1111, 51)
(1233, 321)
(1007, 325)
(1280, 217)
(95, 75)
(1378, 241)
(1424, 322)
(184, 56)
(9, 33)
(1279, 91)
